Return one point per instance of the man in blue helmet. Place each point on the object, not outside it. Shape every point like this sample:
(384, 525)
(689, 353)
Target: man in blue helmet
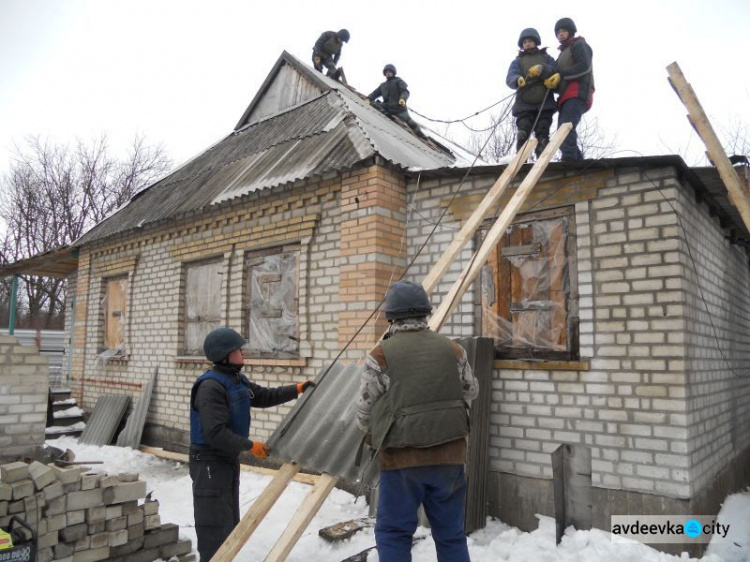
(219, 428)
(415, 393)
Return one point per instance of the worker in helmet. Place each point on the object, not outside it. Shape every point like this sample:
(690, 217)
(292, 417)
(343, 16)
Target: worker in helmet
(535, 105)
(219, 431)
(327, 51)
(394, 93)
(415, 391)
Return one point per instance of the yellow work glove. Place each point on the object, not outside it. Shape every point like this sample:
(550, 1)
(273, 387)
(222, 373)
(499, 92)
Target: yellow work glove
(521, 82)
(368, 102)
(535, 71)
(553, 81)
(402, 102)
(317, 61)
(260, 450)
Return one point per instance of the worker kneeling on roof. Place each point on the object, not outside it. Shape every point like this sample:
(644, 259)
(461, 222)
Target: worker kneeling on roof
(415, 393)
(220, 404)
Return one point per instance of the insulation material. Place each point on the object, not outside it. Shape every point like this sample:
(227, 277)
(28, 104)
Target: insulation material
(273, 317)
(525, 287)
(202, 304)
(115, 305)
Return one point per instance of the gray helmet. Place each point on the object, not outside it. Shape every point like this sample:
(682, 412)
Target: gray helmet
(344, 35)
(406, 300)
(219, 343)
(529, 33)
(389, 67)
(568, 24)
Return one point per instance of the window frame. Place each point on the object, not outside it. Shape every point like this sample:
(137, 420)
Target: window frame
(187, 267)
(106, 310)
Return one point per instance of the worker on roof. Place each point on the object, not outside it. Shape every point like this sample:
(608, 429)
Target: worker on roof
(574, 83)
(535, 104)
(415, 392)
(327, 51)
(219, 428)
(394, 93)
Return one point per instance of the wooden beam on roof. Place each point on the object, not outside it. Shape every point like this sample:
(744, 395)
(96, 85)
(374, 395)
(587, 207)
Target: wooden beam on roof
(59, 263)
(699, 120)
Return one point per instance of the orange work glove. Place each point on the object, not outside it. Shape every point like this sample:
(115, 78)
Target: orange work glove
(303, 386)
(259, 450)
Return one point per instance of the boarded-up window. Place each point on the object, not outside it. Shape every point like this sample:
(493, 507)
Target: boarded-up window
(202, 303)
(115, 311)
(526, 303)
(272, 303)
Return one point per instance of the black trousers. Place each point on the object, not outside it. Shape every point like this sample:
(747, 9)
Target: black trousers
(216, 500)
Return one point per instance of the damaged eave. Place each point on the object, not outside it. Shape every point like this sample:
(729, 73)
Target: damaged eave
(59, 263)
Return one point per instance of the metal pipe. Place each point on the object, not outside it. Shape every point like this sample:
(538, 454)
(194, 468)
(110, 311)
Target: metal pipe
(13, 293)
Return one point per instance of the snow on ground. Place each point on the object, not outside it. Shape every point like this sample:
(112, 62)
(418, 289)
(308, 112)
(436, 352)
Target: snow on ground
(169, 483)
(73, 412)
(78, 426)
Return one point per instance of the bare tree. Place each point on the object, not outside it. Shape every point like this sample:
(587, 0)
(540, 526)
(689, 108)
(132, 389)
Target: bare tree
(737, 138)
(53, 193)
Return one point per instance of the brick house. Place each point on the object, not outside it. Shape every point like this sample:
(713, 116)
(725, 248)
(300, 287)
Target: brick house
(619, 300)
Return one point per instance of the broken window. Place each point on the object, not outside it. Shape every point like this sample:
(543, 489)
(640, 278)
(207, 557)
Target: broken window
(526, 302)
(115, 306)
(202, 303)
(272, 303)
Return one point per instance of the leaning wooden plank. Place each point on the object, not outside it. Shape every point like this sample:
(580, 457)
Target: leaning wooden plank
(104, 420)
(255, 514)
(475, 220)
(699, 120)
(131, 435)
(302, 518)
(471, 271)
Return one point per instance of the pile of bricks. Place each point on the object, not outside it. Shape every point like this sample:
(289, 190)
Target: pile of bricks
(82, 516)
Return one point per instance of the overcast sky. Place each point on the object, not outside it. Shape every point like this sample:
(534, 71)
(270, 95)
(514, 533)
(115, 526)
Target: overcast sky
(182, 72)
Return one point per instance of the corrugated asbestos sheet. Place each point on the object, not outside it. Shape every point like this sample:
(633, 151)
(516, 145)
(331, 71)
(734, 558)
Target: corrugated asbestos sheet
(331, 132)
(104, 420)
(321, 434)
(131, 434)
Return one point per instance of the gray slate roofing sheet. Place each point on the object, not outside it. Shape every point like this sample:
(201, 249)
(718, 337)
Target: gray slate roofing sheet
(104, 420)
(131, 434)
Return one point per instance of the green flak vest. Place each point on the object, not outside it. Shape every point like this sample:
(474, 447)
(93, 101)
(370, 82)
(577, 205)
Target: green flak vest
(534, 90)
(424, 405)
(564, 62)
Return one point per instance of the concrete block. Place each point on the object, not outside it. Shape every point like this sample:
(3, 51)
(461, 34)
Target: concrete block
(3, 508)
(167, 533)
(41, 527)
(130, 547)
(57, 506)
(16, 507)
(84, 500)
(83, 543)
(72, 487)
(6, 492)
(22, 489)
(135, 518)
(63, 550)
(113, 511)
(44, 554)
(53, 491)
(56, 522)
(14, 472)
(117, 524)
(151, 522)
(47, 541)
(179, 548)
(128, 508)
(66, 475)
(41, 475)
(76, 517)
(90, 481)
(140, 556)
(99, 540)
(92, 555)
(151, 507)
(187, 558)
(128, 476)
(118, 538)
(96, 513)
(136, 531)
(97, 527)
(109, 480)
(129, 491)
(72, 533)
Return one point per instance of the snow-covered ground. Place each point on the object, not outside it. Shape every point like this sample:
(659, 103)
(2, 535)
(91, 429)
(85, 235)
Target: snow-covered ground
(169, 482)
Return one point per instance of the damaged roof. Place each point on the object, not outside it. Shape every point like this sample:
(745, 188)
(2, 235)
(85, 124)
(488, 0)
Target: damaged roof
(300, 124)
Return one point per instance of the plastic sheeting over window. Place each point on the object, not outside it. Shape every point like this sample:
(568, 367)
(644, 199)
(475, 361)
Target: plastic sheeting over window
(273, 304)
(202, 303)
(115, 306)
(525, 289)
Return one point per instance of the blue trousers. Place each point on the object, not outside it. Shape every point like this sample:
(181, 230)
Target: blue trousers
(571, 111)
(442, 490)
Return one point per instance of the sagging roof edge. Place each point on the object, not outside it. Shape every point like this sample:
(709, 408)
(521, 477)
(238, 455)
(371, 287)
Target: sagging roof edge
(60, 263)
(683, 171)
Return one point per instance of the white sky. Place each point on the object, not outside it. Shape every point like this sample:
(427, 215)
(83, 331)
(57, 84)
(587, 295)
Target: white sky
(182, 72)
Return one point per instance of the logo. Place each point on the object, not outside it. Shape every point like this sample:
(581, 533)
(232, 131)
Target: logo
(693, 528)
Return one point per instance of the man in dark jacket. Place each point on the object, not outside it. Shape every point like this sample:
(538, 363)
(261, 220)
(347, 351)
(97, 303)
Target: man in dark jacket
(415, 392)
(327, 51)
(574, 83)
(394, 93)
(219, 428)
(534, 102)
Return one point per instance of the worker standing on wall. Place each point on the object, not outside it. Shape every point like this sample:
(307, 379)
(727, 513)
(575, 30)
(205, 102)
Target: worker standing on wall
(415, 392)
(220, 404)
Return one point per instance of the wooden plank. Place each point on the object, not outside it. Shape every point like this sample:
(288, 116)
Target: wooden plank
(471, 271)
(301, 519)
(699, 120)
(260, 508)
(475, 220)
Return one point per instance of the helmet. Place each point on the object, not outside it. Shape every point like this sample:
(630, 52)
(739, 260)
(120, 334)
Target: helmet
(529, 33)
(568, 24)
(219, 343)
(344, 35)
(389, 67)
(406, 300)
